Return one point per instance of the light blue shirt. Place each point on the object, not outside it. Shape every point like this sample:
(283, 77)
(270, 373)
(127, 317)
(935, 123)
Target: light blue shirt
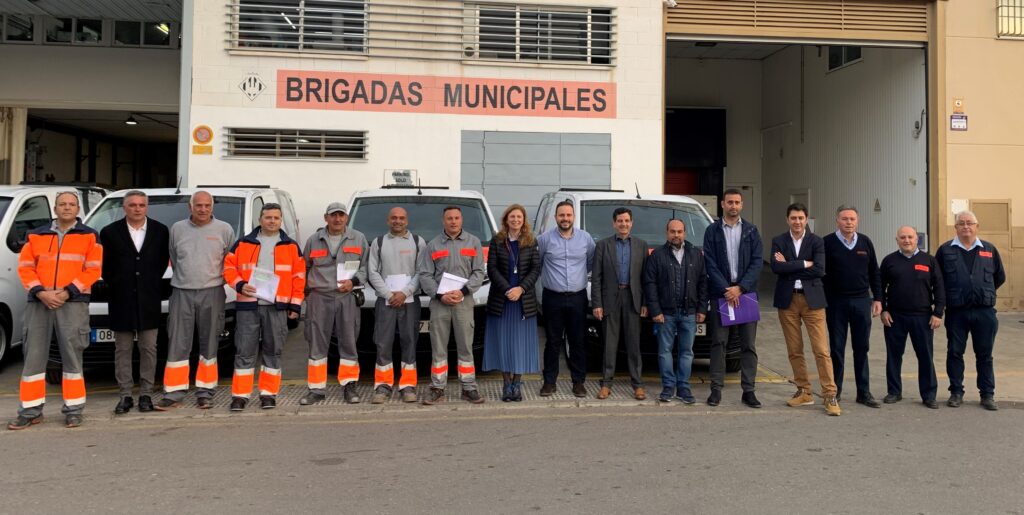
(842, 239)
(622, 254)
(977, 243)
(565, 262)
(733, 237)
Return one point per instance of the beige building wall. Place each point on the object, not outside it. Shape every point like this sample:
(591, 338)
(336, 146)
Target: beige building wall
(984, 164)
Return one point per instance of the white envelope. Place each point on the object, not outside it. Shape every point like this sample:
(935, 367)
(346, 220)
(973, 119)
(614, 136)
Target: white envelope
(450, 282)
(398, 282)
(347, 270)
(265, 282)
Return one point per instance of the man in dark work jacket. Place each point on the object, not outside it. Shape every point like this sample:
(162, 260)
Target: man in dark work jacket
(912, 303)
(972, 272)
(851, 271)
(137, 254)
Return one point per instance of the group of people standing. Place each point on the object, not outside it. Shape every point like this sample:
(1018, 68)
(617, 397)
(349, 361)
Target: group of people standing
(831, 284)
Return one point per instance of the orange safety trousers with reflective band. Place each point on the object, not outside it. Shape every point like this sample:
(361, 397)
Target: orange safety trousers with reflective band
(316, 374)
(384, 375)
(241, 382)
(32, 391)
(289, 267)
(408, 378)
(176, 376)
(206, 373)
(45, 263)
(348, 371)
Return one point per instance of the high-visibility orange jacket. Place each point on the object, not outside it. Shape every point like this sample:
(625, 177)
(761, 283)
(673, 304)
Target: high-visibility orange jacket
(288, 266)
(48, 263)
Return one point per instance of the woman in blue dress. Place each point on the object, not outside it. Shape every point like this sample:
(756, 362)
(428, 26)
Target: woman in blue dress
(513, 265)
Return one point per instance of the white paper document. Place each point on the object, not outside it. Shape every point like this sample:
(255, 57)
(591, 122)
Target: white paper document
(398, 283)
(732, 313)
(347, 270)
(450, 282)
(265, 282)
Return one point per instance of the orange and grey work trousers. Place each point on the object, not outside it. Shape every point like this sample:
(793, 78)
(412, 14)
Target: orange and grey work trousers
(263, 329)
(189, 310)
(444, 320)
(405, 321)
(814, 319)
(72, 324)
(330, 314)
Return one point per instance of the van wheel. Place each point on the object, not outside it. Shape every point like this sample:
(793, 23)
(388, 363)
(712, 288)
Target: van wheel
(5, 336)
(54, 374)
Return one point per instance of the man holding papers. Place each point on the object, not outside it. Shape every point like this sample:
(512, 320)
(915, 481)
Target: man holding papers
(266, 268)
(798, 258)
(335, 257)
(392, 273)
(451, 268)
(732, 257)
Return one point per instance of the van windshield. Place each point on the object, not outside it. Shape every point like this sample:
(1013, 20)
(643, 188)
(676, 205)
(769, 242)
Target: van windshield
(167, 209)
(369, 215)
(649, 219)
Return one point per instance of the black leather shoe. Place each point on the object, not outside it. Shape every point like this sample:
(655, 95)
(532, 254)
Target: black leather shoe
(579, 390)
(715, 398)
(267, 402)
(868, 400)
(892, 398)
(124, 405)
(989, 403)
(930, 403)
(204, 402)
(145, 404)
(312, 398)
(72, 421)
(237, 404)
(547, 390)
(955, 400)
(750, 400)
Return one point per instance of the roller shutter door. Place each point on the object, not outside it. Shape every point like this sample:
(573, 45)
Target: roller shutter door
(520, 167)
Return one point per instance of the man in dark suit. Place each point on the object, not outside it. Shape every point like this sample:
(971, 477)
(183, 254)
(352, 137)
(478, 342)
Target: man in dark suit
(616, 290)
(798, 258)
(732, 257)
(137, 257)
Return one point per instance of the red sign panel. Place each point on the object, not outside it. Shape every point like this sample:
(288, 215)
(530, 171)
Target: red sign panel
(446, 95)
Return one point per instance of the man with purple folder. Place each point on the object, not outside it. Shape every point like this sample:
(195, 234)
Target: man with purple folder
(732, 258)
(798, 258)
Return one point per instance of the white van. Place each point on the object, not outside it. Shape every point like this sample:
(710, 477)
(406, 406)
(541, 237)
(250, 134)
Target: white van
(22, 208)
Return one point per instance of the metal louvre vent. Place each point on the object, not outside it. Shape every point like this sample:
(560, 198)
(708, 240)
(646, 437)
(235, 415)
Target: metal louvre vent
(298, 25)
(1011, 18)
(451, 30)
(899, 19)
(295, 144)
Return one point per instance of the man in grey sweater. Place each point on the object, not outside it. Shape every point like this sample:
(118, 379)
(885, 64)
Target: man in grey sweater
(458, 253)
(198, 246)
(391, 270)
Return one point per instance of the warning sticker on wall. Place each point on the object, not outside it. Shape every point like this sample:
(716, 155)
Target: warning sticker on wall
(446, 95)
(958, 122)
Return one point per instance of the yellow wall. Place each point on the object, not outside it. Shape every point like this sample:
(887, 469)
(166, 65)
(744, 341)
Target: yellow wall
(986, 162)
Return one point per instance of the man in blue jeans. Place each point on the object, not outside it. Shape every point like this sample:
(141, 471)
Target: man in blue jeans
(676, 296)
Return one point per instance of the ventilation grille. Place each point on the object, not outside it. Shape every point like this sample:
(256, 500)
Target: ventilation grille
(295, 144)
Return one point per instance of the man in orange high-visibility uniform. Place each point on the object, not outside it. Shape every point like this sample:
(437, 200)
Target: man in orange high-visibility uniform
(58, 265)
(252, 266)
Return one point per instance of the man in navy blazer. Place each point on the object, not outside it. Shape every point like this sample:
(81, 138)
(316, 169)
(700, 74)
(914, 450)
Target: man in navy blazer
(798, 258)
(732, 258)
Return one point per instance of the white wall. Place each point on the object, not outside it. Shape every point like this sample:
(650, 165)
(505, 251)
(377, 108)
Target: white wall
(858, 143)
(736, 86)
(429, 143)
(77, 77)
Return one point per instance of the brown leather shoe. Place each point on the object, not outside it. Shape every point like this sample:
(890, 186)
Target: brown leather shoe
(640, 394)
(604, 393)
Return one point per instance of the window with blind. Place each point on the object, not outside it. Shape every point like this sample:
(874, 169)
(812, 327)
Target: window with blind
(530, 33)
(295, 144)
(1011, 18)
(298, 25)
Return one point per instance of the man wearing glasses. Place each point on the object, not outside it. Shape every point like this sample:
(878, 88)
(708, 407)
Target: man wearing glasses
(972, 272)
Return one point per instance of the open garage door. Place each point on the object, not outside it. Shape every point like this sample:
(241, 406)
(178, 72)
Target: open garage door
(823, 124)
(520, 167)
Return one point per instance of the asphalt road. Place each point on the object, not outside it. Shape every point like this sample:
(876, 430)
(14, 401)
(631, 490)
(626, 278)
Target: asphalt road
(548, 460)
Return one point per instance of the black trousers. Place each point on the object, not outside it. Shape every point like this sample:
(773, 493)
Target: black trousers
(720, 336)
(565, 318)
(981, 324)
(853, 314)
(921, 335)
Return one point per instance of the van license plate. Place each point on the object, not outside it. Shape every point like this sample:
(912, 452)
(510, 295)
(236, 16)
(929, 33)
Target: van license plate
(702, 329)
(424, 326)
(101, 336)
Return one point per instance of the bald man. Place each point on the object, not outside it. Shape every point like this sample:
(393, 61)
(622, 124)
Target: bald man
(913, 298)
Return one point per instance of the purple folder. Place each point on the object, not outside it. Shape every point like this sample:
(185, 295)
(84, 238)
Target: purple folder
(747, 311)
